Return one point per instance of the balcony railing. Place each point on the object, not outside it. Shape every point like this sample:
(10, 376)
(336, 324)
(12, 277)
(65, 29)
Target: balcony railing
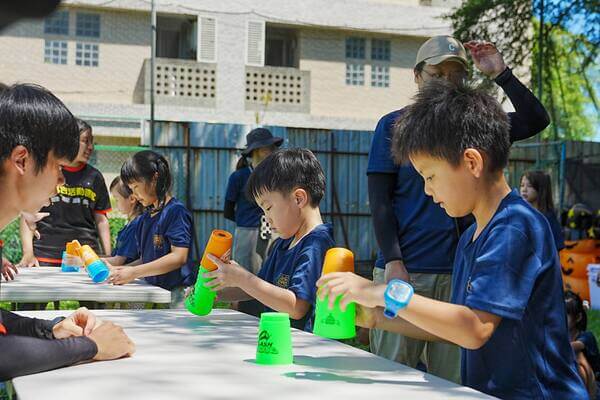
(277, 89)
(178, 83)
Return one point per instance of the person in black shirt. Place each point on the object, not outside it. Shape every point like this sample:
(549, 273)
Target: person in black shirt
(38, 136)
(78, 211)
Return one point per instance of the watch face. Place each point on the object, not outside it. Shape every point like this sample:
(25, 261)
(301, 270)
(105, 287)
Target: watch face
(399, 291)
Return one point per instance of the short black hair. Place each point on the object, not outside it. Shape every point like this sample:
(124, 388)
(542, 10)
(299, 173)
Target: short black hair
(143, 166)
(446, 119)
(575, 308)
(286, 170)
(83, 126)
(33, 117)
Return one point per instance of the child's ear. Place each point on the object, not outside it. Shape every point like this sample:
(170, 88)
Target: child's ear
(300, 197)
(473, 160)
(19, 157)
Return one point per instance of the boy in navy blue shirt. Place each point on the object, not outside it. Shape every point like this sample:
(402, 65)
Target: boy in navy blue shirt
(288, 185)
(507, 312)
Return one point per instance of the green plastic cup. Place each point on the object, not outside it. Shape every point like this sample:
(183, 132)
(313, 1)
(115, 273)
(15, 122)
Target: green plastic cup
(274, 345)
(334, 323)
(201, 299)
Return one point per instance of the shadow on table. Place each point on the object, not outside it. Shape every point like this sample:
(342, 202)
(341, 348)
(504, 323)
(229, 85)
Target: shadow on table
(328, 376)
(348, 363)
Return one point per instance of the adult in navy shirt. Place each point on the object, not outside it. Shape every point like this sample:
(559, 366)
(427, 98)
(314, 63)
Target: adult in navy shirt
(299, 267)
(536, 189)
(417, 240)
(246, 214)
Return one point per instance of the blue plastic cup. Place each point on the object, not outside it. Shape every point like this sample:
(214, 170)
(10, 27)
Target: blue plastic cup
(65, 267)
(98, 271)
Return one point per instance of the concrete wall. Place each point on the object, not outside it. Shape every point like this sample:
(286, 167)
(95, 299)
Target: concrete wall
(124, 43)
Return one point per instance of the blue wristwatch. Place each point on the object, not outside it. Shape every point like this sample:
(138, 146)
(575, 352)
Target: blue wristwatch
(397, 296)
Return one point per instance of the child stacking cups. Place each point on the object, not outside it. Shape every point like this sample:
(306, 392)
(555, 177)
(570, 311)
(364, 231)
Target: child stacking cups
(70, 258)
(333, 323)
(200, 299)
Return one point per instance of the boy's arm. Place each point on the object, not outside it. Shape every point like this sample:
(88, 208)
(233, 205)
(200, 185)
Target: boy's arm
(466, 327)
(232, 294)
(274, 297)
(103, 228)
(116, 260)
(28, 259)
(373, 318)
(228, 275)
(167, 263)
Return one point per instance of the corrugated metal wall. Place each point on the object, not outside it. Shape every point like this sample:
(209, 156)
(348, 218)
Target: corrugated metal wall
(214, 150)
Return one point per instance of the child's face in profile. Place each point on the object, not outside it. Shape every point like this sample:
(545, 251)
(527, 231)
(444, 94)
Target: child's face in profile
(38, 187)
(454, 188)
(144, 192)
(283, 212)
(527, 191)
(124, 204)
(86, 147)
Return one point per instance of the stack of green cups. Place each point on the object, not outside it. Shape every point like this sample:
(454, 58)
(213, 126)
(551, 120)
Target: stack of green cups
(334, 323)
(200, 300)
(274, 345)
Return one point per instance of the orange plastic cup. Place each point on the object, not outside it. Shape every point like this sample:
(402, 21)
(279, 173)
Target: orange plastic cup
(338, 259)
(88, 255)
(73, 248)
(218, 244)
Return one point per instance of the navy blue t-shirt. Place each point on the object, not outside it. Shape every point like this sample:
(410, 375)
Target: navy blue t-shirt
(428, 236)
(512, 270)
(247, 213)
(172, 226)
(126, 245)
(298, 269)
(556, 229)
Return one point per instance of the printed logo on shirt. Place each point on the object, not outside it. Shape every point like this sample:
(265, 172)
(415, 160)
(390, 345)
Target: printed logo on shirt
(283, 281)
(76, 191)
(158, 241)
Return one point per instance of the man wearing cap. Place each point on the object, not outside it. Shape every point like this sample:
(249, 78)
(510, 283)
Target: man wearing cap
(417, 239)
(251, 227)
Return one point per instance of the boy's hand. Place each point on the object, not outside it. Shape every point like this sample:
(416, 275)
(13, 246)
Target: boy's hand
(31, 219)
(352, 287)
(81, 323)
(227, 274)
(121, 275)
(8, 270)
(28, 260)
(486, 58)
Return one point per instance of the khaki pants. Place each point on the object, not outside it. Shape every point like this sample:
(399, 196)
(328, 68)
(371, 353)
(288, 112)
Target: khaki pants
(442, 360)
(244, 249)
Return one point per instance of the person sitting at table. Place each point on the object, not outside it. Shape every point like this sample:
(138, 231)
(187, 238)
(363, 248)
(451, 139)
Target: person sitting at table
(38, 136)
(78, 211)
(288, 185)
(125, 250)
(164, 233)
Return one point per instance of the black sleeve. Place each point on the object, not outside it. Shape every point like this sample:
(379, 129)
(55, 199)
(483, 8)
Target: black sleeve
(30, 347)
(381, 195)
(530, 116)
(23, 326)
(22, 355)
(229, 210)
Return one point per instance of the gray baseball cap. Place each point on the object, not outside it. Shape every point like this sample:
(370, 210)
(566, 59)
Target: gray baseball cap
(442, 48)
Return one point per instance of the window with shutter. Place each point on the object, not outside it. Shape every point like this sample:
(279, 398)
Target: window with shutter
(207, 39)
(255, 43)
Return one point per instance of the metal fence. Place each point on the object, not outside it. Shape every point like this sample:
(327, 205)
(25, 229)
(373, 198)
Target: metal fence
(203, 155)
